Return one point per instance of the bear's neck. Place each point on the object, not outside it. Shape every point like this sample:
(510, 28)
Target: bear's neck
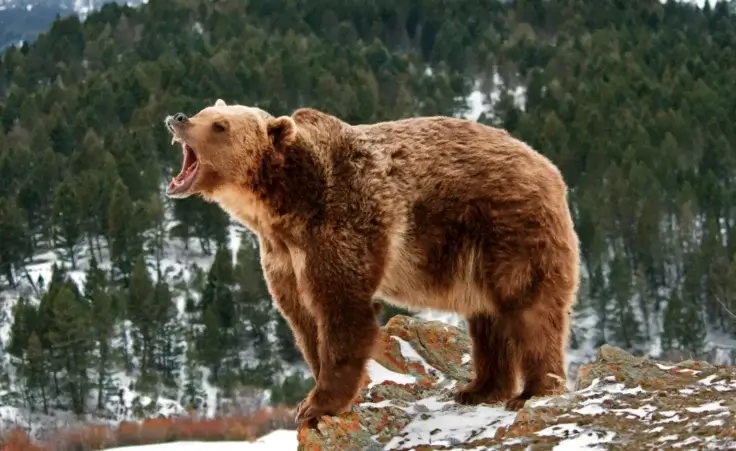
(291, 182)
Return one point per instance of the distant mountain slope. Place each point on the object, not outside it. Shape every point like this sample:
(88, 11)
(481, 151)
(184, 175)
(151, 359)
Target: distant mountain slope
(22, 20)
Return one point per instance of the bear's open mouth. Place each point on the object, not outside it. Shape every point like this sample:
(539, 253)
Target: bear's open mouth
(185, 179)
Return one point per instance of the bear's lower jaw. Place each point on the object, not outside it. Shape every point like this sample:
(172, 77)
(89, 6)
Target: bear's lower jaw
(175, 192)
(181, 184)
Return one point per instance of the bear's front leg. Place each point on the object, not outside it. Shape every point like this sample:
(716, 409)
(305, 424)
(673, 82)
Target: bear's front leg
(341, 280)
(278, 270)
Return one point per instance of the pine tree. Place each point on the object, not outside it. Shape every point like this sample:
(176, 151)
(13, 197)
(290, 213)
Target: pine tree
(36, 193)
(168, 335)
(24, 317)
(155, 209)
(71, 345)
(124, 234)
(103, 318)
(26, 355)
(35, 370)
(292, 390)
(68, 219)
(211, 224)
(626, 327)
(15, 236)
(95, 186)
(143, 315)
(287, 350)
(257, 314)
(186, 214)
(194, 397)
(217, 344)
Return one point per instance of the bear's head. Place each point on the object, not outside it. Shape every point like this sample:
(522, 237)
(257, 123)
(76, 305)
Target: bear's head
(223, 145)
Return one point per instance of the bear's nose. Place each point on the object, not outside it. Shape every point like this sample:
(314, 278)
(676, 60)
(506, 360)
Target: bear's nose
(180, 117)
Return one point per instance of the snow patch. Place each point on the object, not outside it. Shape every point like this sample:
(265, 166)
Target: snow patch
(277, 440)
(452, 425)
(708, 407)
(576, 438)
(379, 373)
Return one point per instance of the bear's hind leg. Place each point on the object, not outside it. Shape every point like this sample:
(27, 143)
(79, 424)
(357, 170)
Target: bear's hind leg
(542, 346)
(494, 360)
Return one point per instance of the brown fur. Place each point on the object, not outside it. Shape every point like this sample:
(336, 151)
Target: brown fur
(431, 212)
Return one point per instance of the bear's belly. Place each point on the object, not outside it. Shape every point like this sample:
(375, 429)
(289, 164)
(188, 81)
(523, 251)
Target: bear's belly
(405, 285)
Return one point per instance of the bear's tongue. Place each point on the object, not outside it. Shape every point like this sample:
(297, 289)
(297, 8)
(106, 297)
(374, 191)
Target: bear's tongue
(184, 180)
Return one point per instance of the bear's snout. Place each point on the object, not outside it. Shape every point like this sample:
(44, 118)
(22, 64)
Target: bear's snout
(180, 117)
(176, 120)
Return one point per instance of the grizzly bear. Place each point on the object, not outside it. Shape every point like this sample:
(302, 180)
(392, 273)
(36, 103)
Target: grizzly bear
(427, 212)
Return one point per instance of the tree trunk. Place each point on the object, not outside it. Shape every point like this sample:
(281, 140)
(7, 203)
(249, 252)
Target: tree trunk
(9, 276)
(101, 370)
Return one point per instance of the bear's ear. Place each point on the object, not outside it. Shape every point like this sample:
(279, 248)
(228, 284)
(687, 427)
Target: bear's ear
(220, 102)
(281, 131)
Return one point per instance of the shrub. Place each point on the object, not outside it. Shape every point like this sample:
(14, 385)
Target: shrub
(162, 430)
(18, 440)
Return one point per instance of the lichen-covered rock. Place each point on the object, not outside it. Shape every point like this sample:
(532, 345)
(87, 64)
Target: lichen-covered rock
(620, 402)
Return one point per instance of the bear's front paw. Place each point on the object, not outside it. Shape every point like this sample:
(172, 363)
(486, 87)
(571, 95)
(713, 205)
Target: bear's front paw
(319, 402)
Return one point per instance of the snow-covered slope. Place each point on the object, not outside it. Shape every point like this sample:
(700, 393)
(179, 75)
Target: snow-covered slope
(22, 20)
(179, 265)
(81, 7)
(275, 441)
(618, 400)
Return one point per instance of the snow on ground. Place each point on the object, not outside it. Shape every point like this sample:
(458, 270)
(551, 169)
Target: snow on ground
(379, 373)
(482, 101)
(279, 440)
(678, 411)
(440, 422)
(447, 424)
(698, 3)
(178, 265)
(444, 317)
(582, 439)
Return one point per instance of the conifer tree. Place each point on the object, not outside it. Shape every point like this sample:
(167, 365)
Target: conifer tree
(124, 235)
(142, 312)
(103, 318)
(15, 236)
(217, 341)
(71, 344)
(67, 219)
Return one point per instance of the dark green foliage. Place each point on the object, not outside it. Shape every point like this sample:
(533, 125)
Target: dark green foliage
(15, 236)
(634, 101)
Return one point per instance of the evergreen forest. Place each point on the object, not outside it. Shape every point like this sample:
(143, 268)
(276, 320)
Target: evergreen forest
(631, 99)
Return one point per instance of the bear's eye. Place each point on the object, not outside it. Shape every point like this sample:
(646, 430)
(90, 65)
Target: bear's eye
(219, 126)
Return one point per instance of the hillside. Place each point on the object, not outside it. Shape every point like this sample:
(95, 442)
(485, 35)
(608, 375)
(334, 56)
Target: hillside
(159, 307)
(617, 402)
(22, 20)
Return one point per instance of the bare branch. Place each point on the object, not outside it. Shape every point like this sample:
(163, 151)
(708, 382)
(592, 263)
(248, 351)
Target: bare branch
(724, 307)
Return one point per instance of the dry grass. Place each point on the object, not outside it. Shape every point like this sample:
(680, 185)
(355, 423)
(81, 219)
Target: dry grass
(157, 430)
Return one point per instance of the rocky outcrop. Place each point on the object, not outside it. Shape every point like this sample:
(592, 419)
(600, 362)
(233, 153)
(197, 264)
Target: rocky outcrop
(618, 402)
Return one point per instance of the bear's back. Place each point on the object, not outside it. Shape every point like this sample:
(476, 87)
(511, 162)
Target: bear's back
(456, 156)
